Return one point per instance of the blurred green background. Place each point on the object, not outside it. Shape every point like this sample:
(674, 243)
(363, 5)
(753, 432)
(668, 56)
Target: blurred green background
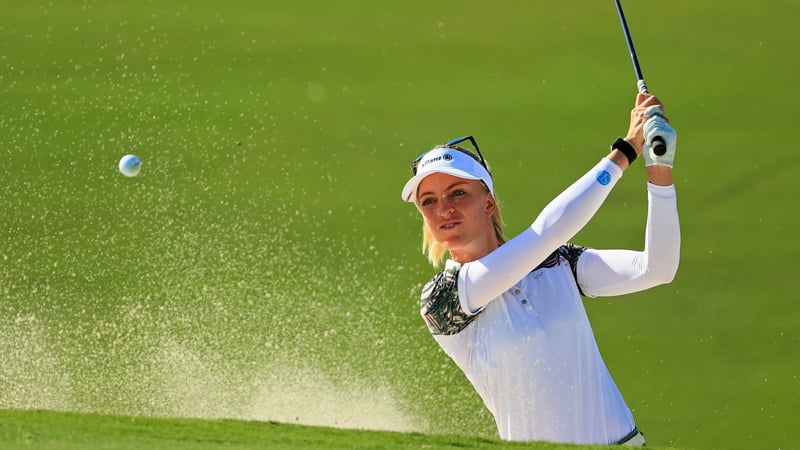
(263, 266)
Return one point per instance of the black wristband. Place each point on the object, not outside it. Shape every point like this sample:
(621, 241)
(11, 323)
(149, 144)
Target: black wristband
(626, 148)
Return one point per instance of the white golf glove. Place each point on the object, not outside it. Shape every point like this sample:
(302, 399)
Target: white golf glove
(657, 125)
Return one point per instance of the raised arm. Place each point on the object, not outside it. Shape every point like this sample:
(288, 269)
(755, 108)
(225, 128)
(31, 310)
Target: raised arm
(616, 272)
(483, 280)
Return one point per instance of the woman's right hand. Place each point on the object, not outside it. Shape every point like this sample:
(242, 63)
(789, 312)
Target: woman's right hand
(635, 134)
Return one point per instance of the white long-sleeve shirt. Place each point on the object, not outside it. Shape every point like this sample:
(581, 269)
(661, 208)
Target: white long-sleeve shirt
(514, 322)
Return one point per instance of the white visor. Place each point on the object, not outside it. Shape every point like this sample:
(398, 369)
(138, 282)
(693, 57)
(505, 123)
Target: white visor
(451, 162)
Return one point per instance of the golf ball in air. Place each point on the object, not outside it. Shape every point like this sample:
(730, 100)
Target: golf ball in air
(130, 165)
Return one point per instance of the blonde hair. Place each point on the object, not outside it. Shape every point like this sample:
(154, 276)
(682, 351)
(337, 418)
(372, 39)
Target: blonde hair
(435, 250)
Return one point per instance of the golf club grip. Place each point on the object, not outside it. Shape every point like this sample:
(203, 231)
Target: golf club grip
(659, 146)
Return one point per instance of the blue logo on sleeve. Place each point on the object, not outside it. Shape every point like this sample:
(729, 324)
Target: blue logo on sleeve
(603, 177)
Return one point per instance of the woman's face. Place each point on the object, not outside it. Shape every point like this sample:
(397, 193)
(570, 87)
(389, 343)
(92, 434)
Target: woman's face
(458, 213)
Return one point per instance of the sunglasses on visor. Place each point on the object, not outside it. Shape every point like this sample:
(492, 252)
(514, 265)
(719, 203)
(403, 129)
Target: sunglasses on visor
(453, 144)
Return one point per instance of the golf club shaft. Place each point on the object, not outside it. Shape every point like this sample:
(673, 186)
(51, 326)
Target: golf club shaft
(659, 146)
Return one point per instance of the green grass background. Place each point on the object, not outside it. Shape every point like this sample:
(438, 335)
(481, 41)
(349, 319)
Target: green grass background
(62, 431)
(262, 266)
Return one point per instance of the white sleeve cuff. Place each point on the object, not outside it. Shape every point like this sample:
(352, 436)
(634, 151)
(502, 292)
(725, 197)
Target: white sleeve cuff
(661, 191)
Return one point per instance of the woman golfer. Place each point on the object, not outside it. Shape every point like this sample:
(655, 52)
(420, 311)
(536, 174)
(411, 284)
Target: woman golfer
(509, 312)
